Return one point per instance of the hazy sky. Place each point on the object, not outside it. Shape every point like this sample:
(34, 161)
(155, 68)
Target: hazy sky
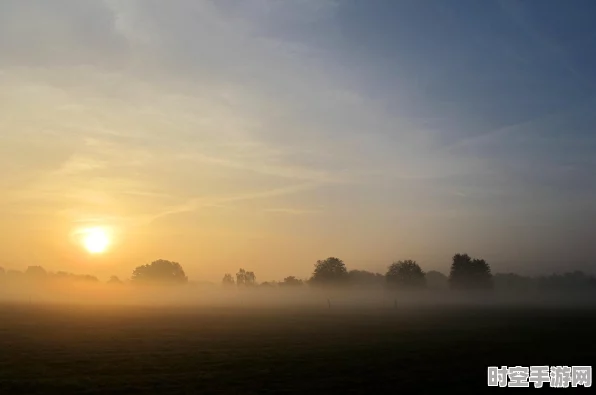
(269, 134)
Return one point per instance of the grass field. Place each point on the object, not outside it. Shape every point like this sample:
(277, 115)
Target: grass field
(126, 350)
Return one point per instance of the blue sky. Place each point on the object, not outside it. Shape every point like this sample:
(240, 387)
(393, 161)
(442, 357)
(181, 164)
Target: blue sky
(276, 133)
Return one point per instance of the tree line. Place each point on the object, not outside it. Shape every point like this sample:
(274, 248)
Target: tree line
(465, 273)
(38, 273)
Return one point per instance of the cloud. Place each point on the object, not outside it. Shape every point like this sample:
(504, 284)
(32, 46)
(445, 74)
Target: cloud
(292, 211)
(195, 204)
(165, 108)
(62, 33)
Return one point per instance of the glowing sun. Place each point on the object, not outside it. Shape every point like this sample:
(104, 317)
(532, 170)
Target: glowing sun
(96, 240)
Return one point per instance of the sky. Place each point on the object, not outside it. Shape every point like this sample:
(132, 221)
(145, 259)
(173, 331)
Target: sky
(268, 134)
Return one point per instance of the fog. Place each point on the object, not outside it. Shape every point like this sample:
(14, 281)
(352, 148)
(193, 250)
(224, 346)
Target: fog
(329, 298)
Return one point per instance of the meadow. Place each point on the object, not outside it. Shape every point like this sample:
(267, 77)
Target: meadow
(86, 349)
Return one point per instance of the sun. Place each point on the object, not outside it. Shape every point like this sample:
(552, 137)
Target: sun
(96, 240)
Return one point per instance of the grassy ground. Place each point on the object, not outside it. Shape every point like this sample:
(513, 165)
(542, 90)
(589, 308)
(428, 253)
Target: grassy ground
(128, 350)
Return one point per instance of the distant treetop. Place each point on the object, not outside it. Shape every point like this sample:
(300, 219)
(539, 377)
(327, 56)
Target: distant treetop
(227, 280)
(36, 272)
(467, 273)
(331, 271)
(244, 278)
(405, 274)
(291, 281)
(160, 272)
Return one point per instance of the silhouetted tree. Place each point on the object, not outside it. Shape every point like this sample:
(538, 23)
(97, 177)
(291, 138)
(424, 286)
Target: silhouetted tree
(227, 280)
(160, 271)
(513, 282)
(468, 273)
(61, 275)
(405, 274)
(250, 279)
(568, 282)
(268, 284)
(65, 276)
(240, 277)
(114, 280)
(244, 278)
(331, 271)
(36, 273)
(291, 281)
(436, 280)
(86, 277)
(363, 278)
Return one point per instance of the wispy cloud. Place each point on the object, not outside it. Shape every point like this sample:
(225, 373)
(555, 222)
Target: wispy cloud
(195, 204)
(206, 86)
(292, 211)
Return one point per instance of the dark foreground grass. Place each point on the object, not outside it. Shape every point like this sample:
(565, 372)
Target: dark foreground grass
(126, 350)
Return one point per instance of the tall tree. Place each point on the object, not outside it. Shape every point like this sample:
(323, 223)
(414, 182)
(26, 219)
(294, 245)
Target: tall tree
(160, 272)
(245, 278)
(405, 274)
(250, 279)
(468, 273)
(331, 271)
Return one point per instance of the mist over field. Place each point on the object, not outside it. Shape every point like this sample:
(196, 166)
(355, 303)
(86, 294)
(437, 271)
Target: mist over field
(341, 331)
(99, 338)
(333, 298)
(256, 197)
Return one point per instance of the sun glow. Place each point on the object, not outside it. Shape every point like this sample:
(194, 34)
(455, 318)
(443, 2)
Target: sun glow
(96, 240)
